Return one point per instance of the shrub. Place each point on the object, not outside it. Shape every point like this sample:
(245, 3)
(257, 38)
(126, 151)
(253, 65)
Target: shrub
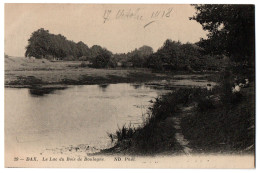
(101, 61)
(122, 133)
(205, 104)
(112, 63)
(69, 58)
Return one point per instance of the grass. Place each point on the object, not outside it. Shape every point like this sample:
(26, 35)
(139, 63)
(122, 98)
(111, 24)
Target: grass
(157, 133)
(123, 133)
(223, 122)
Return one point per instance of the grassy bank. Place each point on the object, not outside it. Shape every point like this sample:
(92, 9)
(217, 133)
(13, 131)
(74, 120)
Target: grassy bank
(222, 123)
(219, 122)
(157, 134)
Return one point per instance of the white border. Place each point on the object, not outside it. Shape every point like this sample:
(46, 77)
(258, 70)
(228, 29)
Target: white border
(114, 2)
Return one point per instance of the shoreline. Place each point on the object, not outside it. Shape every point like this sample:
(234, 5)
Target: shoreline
(23, 73)
(186, 122)
(136, 77)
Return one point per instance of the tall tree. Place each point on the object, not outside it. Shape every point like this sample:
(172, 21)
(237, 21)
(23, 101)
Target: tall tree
(231, 30)
(139, 57)
(38, 44)
(43, 44)
(83, 49)
(101, 60)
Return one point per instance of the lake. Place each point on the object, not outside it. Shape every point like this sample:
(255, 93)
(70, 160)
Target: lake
(36, 121)
(56, 121)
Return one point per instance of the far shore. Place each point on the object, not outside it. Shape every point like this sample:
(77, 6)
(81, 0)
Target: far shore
(22, 72)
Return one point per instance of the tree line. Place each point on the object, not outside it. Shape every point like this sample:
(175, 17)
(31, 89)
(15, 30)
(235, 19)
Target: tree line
(43, 44)
(171, 56)
(230, 34)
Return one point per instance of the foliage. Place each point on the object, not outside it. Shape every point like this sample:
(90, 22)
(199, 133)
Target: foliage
(43, 44)
(69, 58)
(135, 58)
(175, 56)
(231, 30)
(83, 58)
(223, 120)
(139, 57)
(112, 63)
(82, 50)
(222, 125)
(123, 133)
(101, 61)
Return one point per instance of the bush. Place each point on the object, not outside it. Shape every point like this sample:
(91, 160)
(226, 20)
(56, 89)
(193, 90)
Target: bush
(155, 62)
(69, 58)
(112, 63)
(122, 133)
(205, 104)
(101, 61)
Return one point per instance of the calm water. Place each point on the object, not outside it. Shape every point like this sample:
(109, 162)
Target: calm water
(76, 115)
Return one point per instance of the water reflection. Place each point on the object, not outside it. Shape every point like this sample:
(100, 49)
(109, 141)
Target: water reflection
(136, 85)
(41, 91)
(103, 87)
(74, 115)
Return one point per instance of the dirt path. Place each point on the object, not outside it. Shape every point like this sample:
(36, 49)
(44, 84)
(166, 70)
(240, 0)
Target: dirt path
(186, 111)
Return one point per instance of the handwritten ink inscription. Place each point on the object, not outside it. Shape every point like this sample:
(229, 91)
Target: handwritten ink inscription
(137, 14)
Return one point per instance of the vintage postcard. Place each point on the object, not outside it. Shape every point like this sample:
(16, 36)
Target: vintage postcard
(129, 85)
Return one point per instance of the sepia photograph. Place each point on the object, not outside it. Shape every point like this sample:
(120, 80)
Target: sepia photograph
(129, 85)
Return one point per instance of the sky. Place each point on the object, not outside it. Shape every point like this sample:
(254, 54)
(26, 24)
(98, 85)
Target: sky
(119, 28)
